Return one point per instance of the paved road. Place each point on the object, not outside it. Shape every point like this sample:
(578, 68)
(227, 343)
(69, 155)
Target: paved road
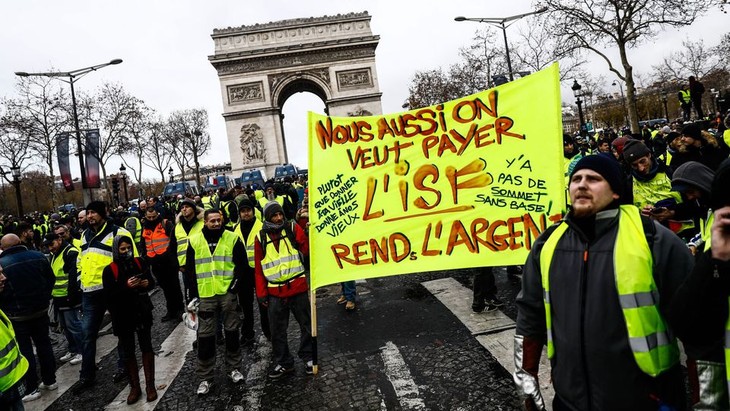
(412, 344)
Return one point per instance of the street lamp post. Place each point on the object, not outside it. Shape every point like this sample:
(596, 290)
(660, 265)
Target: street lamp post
(501, 23)
(16, 182)
(73, 76)
(171, 171)
(577, 93)
(664, 101)
(623, 101)
(123, 173)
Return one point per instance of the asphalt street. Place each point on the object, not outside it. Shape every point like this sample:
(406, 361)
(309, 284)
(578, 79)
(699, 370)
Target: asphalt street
(403, 348)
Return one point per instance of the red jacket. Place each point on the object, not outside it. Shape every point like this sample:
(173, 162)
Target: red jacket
(295, 286)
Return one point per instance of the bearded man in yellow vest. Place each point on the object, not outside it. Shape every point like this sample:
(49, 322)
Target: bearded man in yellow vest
(160, 252)
(248, 229)
(189, 221)
(595, 289)
(96, 254)
(216, 259)
(281, 286)
(12, 363)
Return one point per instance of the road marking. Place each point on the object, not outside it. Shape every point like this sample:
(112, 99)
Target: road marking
(168, 364)
(400, 377)
(256, 376)
(493, 330)
(67, 374)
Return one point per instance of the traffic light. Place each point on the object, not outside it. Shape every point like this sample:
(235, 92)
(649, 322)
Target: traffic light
(115, 184)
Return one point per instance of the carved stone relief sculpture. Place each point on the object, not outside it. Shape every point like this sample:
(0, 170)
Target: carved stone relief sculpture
(252, 144)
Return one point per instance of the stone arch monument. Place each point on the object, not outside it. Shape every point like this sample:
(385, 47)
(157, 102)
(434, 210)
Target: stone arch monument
(260, 66)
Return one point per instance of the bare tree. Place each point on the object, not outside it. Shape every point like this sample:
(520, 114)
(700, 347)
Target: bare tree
(537, 49)
(693, 59)
(600, 24)
(156, 153)
(38, 112)
(136, 138)
(192, 126)
(14, 146)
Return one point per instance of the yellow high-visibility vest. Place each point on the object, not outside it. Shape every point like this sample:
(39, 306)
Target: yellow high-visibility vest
(214, 272)
(654, 349)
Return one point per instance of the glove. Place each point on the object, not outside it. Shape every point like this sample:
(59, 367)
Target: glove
(527, 364)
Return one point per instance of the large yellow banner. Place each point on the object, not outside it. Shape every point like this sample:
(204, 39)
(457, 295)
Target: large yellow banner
(467, 183)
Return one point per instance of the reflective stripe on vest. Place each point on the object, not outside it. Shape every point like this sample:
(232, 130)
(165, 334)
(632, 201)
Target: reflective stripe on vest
(250, 242)
(182, 240)
(214, 272)
(60, 287)
(13, 365)
(654, 348)
(156, 241)
(96, 254)
(282, 264)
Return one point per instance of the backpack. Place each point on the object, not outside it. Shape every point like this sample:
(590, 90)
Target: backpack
(115, 268)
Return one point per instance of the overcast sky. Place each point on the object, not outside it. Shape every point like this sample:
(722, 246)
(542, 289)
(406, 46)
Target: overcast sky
(165, 46)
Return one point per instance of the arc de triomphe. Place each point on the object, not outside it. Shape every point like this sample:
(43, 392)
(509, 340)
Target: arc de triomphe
(260, 66)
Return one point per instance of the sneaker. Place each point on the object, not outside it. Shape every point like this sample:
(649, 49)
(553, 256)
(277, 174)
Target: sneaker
(477, 308)
(494, 301)
(32, 396)
(350, 306)
(490, 308)
(235, 376)
(49, 387)
(67, 357)
(341, 300)
(309, 368)
(76, 359)
(279, 371)
(203, 388)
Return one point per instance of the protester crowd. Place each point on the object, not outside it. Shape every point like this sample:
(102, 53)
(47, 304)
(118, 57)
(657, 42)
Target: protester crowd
(640, 259)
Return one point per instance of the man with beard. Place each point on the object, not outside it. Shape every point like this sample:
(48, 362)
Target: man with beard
(96, 253)
(216, 261)
(248, 229)
(189, 221)
(281, 286)
(160, 252)
(596, 288)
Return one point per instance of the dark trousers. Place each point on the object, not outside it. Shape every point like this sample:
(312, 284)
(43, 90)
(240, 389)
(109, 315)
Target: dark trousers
(484, 287)
(93, 307)
(35, 332)
(126, 341)
(279, 309)
(246, 298)
(686, 111)
(167, 276)
(697, 103)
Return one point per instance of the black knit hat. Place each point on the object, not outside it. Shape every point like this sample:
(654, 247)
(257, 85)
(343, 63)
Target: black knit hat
(634, 149)
(605, 166)
(98, 207)
(692, 130)
(693, 174)
(245, 203)
(271, 208)
(187, 202)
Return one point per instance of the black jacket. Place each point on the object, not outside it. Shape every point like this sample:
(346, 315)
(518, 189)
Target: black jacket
(29, 283)
(130, 308)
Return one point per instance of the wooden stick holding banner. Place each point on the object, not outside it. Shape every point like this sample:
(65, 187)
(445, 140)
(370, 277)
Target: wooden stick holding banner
(313, 313)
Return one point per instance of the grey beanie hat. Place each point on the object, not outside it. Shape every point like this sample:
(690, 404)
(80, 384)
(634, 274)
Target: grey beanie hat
(693, 174)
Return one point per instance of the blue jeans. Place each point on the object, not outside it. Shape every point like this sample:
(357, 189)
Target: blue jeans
(279, 309)
(92, 309)
(70, 320)
(36, 330)
(349, 290)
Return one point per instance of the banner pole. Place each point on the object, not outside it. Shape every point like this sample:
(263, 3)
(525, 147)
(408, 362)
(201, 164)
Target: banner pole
(313, 308)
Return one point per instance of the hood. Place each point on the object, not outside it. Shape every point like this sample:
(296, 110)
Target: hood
(720, 195)
(694, 174)
(115, 246)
